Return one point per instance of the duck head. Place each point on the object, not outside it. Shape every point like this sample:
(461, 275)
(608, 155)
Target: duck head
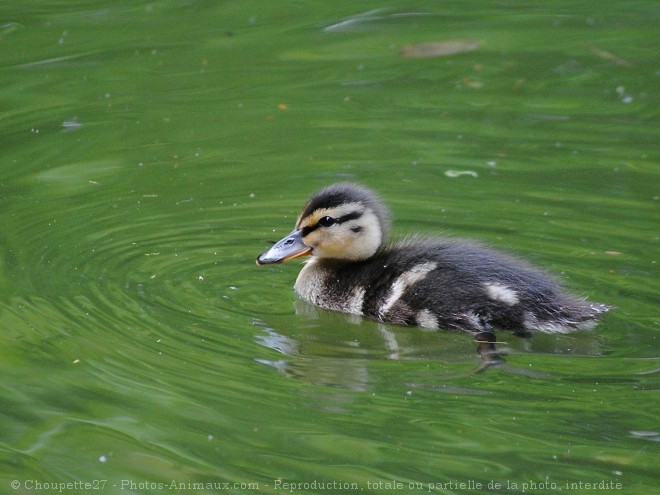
(343, 221)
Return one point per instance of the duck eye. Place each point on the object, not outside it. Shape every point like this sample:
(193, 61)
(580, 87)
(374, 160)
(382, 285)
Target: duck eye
(327, 222)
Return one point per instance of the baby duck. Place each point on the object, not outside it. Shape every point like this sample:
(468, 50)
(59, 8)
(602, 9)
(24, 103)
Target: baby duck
(433, 283)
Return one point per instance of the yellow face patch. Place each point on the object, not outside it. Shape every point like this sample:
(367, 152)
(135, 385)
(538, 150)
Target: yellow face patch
(351, 232)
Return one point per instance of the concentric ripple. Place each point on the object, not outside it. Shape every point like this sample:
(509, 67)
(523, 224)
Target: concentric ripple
(131, 265)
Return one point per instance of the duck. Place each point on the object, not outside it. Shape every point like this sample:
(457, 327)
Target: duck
(436, 283)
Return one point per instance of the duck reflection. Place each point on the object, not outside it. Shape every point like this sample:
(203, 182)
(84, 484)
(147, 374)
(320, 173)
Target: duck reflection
(335, 349)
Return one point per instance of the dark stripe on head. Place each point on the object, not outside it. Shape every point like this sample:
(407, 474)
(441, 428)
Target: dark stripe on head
(349, 216)
(345, 218)
(345, 192)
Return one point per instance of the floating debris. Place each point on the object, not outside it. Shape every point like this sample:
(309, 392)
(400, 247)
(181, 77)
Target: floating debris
(439, 48)
(605, 55)
(458, 173)
(469, 83)
(621, 93)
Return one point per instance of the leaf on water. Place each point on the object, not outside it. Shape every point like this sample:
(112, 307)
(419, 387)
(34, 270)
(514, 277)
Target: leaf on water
(439, 48)
(605, 55)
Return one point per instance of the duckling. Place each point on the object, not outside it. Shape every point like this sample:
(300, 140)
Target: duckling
(433, 283)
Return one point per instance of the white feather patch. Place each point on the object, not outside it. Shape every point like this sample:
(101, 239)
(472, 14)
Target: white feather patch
(355, 301)
(426, 319)
(405, 280)
(502, 293)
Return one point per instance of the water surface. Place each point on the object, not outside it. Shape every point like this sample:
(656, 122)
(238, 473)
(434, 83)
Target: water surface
(151, 150)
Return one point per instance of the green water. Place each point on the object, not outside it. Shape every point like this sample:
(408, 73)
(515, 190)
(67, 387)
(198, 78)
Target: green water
(150, 150)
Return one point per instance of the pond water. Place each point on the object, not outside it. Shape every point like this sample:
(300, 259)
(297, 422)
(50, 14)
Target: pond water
(150, 150)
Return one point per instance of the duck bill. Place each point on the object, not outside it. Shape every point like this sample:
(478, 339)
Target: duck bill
(292, 246)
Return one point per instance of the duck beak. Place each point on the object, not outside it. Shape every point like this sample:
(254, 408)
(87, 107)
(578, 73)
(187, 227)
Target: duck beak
(292, 246)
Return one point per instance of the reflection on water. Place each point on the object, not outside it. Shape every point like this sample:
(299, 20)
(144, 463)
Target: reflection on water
(336, 349)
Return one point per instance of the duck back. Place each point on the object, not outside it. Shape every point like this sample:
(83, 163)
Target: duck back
(449, 284)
